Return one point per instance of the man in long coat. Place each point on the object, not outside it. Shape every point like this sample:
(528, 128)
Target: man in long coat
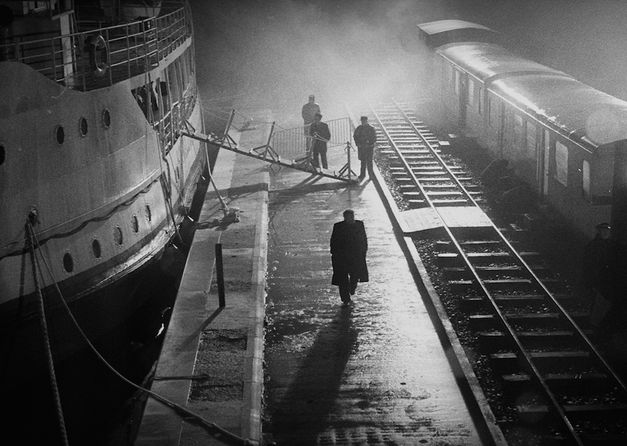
(349, 245)
(320, 135)
(365, 137)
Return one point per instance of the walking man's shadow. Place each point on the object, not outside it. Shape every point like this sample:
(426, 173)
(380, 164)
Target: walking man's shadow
(310, 398)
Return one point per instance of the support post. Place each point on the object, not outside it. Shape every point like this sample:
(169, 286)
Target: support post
(220, 275)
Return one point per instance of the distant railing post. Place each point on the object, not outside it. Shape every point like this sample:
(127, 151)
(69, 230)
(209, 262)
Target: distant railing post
(220, 275)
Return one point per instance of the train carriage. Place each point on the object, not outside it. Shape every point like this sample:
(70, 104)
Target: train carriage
(559, 135)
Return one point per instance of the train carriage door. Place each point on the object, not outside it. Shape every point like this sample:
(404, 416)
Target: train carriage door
(543, 164)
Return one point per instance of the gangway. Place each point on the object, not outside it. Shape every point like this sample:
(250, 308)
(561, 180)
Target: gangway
(267, 152)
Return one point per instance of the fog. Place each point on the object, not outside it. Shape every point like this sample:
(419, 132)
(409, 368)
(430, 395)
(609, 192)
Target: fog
(275, 53)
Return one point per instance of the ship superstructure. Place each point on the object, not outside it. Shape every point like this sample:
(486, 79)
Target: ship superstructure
(94, 99)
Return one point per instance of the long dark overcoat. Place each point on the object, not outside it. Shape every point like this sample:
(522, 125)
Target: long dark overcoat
(365, 137)
(322, 130)
(349, 245)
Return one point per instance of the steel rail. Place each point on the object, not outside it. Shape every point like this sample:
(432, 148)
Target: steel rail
(536, 375)
(528, 268)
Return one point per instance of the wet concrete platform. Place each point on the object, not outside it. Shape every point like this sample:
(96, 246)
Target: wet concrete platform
(211, 360)
(372, 373)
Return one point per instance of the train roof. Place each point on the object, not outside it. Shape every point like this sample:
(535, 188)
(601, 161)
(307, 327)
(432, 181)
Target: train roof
(442, 32)
(488, 60)
(581, 111)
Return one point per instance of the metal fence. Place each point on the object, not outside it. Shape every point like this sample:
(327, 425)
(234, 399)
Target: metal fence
(126, 50)
(294, 143)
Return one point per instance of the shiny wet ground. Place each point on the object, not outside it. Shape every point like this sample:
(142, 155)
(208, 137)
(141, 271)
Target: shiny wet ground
(372, 373)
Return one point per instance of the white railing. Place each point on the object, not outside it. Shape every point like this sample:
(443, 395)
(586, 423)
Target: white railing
(125, 51)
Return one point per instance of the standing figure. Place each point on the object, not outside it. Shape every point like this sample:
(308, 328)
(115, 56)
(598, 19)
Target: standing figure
(365, 137)
(599, 273)
(308, 113)
(320, 135)
(349, 245)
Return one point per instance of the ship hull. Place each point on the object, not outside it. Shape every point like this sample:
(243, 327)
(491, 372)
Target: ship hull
(150, 196)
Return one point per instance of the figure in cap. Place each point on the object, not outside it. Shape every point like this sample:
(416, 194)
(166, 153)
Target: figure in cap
(365, 137)
(320, 135)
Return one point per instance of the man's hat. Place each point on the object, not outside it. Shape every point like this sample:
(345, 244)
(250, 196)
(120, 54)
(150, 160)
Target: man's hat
(603, 226)
(311, 96)
(364, 118)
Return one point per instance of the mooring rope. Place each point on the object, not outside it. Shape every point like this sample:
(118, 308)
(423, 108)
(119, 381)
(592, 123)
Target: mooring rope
(183, 412)
(54, 385)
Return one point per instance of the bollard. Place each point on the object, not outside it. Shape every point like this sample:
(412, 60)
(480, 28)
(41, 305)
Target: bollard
(220, 274)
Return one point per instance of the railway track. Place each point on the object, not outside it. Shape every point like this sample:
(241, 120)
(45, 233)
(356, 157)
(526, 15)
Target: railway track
(558, 382)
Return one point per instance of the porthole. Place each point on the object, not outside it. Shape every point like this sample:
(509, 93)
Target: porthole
(59, 134)
(95, 249)
(135, 223)
(118, 236)
(82, 126)
(106, 118)
(148, 213)
(68, 262)
(3, 155)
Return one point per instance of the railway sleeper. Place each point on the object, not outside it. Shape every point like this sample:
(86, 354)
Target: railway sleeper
(451, 202)
(584, 384)
(484, 258)
(509, 362)
(575, 410)
(537, 427)
(489, 271)
(525, 321)
(517, 300)
(491, 341)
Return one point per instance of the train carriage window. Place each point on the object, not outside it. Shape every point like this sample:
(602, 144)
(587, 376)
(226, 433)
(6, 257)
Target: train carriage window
(519, 130)
(561, 163)
(450, 76)
(480, 100)
(585, 178)
(531, 140)
(493, 110)
(456, 81)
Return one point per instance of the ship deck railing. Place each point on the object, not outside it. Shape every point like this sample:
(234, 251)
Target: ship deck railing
(133, 48)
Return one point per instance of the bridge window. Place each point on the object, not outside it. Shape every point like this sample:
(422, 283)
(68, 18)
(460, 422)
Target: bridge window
(561, 163)
(82, 126)
(106, 118)
(59, 134)
(96, 249)
(68, 262)
(471, 92)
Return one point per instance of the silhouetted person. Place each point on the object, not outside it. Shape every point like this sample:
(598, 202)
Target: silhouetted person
(320, 135)
(599, 273)
(309, 110)
(349, 245)
(309, 113)
(365, 137)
